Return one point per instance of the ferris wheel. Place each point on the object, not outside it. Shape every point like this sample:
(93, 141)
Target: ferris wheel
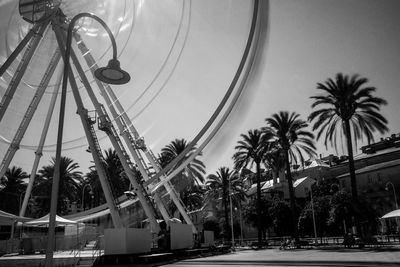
(37, 51)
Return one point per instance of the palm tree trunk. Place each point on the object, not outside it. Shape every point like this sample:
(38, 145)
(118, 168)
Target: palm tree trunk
(353, 181)
(292, 197)
(259, 223)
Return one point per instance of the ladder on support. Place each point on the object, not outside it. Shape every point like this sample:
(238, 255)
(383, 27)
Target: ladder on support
(106, 125)
(88, 128)
(120, 123)
(102, 160)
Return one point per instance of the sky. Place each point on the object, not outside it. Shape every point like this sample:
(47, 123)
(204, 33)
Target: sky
(182, 56)
(310, 41)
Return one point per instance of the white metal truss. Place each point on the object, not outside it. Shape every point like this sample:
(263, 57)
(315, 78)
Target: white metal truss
(134, 142)
(39, 151)
(14, 145)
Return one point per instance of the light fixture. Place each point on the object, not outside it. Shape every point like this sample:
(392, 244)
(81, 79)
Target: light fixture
(112, 73)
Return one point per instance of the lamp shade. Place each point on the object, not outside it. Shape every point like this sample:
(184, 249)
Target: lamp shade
(112, 73)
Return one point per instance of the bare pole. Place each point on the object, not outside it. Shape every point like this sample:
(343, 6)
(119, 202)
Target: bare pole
(56, 176)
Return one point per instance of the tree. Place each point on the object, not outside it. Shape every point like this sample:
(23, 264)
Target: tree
(251, 213)
(193, 198)
(13, 186)
(341, 210)
(251, 150)
(322, 206)
(118, 181)
(280, 211)
(194, 171)
(291, 137)
(92, 178)
(220, 186)
(347, 107)
(113, 166)
(70, 180)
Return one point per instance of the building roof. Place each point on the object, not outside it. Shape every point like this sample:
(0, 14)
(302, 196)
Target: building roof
(392, 214)
(377, 153)
(318, 163)
(374, 167)
(252, 190)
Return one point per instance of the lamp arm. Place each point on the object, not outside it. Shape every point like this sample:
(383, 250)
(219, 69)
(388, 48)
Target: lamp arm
(90, 15)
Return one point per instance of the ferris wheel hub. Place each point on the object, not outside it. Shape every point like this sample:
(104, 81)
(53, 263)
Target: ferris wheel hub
(34, 11)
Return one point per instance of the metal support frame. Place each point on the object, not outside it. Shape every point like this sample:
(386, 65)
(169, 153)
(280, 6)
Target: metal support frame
(14, 145)
(106, 125)
(126, 127)
(19, 73)
(110, 131)
(135, 154)
(18, 49)
(82, 112)
(38, 152)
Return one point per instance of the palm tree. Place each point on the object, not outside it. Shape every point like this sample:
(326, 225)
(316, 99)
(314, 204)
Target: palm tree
(113, 166)
(292, 139)
(251, 150)
(218, 188)
(92, 178)
(118, 181)
(274, 159)
(13, 186)
(347, 107)
(194, 171)
(192, 198)
(70, 180)
(221, 185)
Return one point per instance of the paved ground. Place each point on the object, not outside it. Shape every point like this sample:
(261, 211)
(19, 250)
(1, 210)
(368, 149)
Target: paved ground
(301, 257)
(61, 258)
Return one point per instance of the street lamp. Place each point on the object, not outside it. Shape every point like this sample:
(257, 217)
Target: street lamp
(230, 202)
(394, 193)
(313, 216)
(111, 74)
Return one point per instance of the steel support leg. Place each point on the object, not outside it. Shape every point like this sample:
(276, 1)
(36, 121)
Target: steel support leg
(38, 153)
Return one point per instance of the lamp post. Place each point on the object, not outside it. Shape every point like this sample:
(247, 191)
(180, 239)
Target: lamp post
(394, 193)
(230, 202)
(313, 216)
(112, 74)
